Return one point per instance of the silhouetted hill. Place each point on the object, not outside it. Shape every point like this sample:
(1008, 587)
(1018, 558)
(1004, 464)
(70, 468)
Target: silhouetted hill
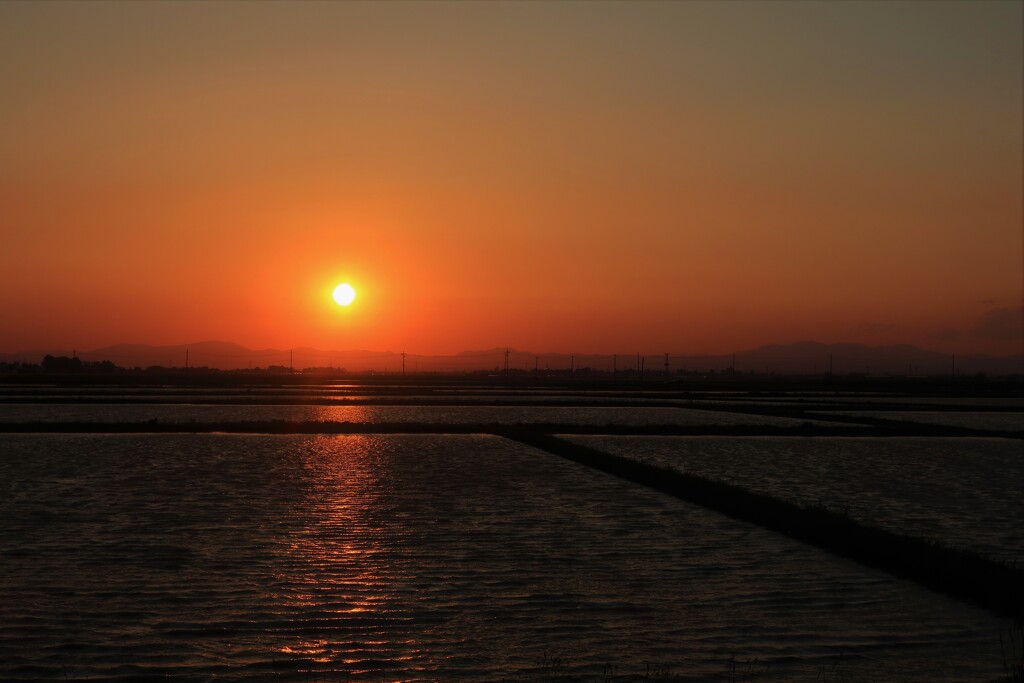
(799, 358)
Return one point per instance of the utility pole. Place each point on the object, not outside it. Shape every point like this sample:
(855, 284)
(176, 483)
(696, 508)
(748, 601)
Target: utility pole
(536, 365)
(734, 362)
(506, 362)
(291, 362)
(666, 365)
(186, 359)
(615, 362)
(403, 363)
(572, 364)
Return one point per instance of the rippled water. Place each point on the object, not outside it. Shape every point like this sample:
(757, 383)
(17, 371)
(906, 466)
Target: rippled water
(962, 492)
(176, 412)
(1003, 421)
(979, 402)
(237, 557)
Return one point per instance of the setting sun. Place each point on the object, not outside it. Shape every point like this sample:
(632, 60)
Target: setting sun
(344, 294)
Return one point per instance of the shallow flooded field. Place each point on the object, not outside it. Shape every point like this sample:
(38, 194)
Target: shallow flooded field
(976, 419)
(428, 557)
(962, 492)
(376, 414)
(423, 558)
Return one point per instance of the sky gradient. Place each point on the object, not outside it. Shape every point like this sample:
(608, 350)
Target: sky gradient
(594, 177)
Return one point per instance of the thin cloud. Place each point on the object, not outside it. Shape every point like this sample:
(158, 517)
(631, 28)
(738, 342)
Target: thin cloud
(875, 328)
(945, 334)
(1001, 324)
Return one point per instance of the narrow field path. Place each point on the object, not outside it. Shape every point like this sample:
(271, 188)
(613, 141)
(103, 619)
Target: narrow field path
(961, 574)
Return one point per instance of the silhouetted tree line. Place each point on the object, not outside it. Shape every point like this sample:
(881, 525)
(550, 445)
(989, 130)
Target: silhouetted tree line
(67, 366)
(63, 365)
(60, 365)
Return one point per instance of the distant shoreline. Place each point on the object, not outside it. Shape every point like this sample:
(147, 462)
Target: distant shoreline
(690, 382)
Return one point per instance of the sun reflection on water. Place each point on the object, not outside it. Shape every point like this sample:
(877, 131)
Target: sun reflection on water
(347, 413)
(346, 576)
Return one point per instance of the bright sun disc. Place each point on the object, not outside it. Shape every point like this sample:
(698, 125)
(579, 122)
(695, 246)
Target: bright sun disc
(344, 294)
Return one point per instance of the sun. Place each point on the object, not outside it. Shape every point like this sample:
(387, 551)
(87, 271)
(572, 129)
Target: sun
(344, 294)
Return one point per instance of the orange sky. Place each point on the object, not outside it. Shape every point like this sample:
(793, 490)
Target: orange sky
(589, 177)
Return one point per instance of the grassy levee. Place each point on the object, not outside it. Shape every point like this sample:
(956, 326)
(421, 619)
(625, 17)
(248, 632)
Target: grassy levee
(958, 573)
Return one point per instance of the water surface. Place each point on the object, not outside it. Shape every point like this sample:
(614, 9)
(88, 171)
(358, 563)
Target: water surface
(483, 414)
(242, 557)
(962, 492)
(999, 421)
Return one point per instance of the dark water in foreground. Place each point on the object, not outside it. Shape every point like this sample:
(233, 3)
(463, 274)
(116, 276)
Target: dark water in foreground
(960, 492)
(482, 414)
(229, 557)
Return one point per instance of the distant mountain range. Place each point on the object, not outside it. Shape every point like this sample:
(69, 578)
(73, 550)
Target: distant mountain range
(800, 358)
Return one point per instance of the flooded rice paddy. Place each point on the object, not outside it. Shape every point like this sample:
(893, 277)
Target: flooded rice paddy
(430, 557)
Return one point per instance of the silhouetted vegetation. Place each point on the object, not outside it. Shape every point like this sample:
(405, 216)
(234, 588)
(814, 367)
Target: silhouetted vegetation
(577, 376)
(61, 364)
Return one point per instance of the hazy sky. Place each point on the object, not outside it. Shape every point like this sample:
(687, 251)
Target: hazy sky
(577, 176)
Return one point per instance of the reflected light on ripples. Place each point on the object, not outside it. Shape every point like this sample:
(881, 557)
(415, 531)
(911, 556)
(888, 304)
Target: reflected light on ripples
(346, 413)
(313, 650)
(425, 558)
(344, 572)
